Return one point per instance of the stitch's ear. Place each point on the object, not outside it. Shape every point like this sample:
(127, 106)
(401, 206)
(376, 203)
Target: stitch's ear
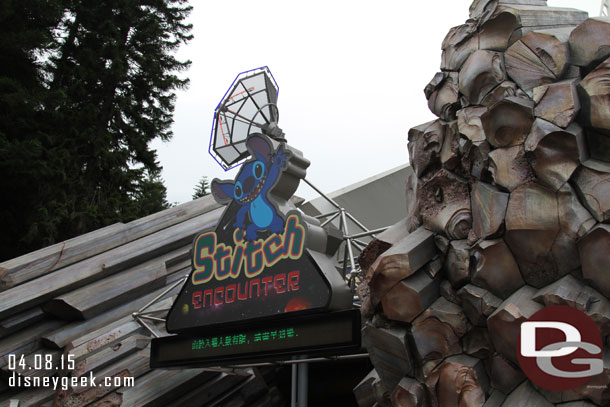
(222, 191)
(259, 147)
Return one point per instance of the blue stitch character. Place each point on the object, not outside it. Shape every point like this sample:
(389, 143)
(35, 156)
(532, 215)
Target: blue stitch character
(251, 186)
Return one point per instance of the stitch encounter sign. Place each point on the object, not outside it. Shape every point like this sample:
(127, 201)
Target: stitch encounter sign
(263, 283)
(234, 279)
(255, 263)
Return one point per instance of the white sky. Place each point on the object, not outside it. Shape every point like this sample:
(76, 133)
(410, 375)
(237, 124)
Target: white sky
(351, 77)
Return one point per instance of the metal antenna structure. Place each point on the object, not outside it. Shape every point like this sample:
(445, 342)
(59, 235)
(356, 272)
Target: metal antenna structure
(605, 8)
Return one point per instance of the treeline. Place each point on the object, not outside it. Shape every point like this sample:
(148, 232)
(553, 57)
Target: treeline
(85, 86)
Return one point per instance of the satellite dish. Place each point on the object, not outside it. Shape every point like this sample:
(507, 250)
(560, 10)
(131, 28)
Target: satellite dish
(249, 106)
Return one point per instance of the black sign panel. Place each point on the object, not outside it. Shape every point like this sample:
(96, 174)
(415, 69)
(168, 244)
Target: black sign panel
(332, 333)
(276, 276)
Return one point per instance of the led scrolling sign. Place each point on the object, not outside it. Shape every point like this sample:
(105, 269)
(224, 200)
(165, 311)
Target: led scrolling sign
(337, 332)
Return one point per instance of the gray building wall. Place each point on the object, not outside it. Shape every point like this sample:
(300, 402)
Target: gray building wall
(376, 202)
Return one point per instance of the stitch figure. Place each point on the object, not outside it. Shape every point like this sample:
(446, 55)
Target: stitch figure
(251, 186)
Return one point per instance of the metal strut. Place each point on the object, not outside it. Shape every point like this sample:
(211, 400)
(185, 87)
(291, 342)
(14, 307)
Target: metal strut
(351, 243)
(141, 314)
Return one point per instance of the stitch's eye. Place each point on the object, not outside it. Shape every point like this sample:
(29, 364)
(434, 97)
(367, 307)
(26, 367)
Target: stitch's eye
(259, 170)
(238, 191)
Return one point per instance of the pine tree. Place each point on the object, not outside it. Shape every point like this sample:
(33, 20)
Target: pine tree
(107, 77)
(151, 195)
(118, 73)
(202, 188)
(28, 161)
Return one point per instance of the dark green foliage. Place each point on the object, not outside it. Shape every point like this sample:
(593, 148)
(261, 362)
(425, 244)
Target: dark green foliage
(202, 188)
(84, 88)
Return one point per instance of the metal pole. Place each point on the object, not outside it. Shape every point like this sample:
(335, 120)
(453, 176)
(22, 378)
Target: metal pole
(348, 241)
(322, 194)
(344, 266)
(303, 384)
(293, 386)
(359, 243)
(230, 370)
(342, 229)
(158, 297)
(363, 234)
(151, 318)
(336, 205)
(327, 221)
(357, 222)
(325, 215)
(146, 326)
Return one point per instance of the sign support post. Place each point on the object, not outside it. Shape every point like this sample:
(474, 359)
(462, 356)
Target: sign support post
(293, 386)
(303, 384)
(299, 385)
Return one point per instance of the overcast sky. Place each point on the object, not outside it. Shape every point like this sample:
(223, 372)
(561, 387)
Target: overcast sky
(351, 77)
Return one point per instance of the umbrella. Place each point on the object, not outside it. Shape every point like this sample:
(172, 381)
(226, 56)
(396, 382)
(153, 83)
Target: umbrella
(249, 106)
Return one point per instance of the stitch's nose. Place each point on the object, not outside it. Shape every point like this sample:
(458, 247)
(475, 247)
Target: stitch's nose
(248, 184)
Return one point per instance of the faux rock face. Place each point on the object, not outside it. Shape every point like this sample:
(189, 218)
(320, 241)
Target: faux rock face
(507, 212)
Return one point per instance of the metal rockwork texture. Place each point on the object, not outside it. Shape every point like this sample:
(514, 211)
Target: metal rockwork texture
(508, 211)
